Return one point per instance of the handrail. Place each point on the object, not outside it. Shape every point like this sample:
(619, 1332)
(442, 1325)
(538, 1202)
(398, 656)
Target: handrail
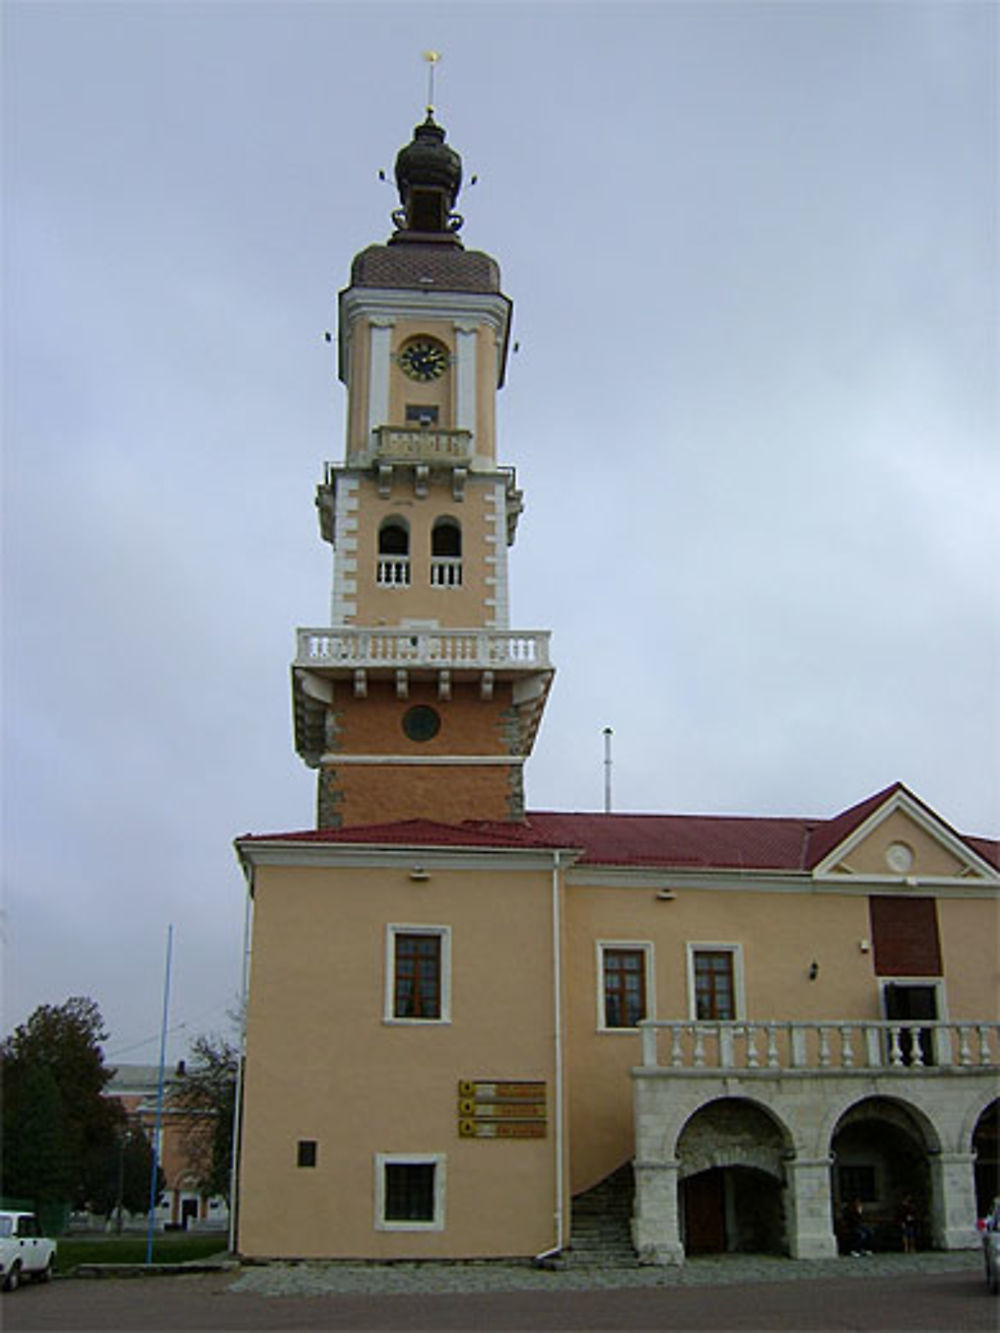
(838, 1045)
(476, 649)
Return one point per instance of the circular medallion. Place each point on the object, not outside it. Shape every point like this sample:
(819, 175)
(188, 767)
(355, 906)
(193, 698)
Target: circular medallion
(423, 359)
(899, 857)
(421, 722)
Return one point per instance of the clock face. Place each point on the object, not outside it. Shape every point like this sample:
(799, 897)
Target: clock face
(423, 359)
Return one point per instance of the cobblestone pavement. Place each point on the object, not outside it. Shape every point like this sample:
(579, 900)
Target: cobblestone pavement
(319, 1279)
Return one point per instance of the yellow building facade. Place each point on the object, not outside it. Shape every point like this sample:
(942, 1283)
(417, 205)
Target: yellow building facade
(471, 1027)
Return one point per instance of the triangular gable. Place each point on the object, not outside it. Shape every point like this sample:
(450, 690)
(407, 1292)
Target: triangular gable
(896, 837)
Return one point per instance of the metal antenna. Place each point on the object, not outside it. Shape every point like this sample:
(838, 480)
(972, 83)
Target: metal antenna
(432, 57)
(608, 733)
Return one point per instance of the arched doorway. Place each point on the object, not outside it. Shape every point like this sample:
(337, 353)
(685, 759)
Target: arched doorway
(731, 1156)
(880, 1160)
(986, 1146)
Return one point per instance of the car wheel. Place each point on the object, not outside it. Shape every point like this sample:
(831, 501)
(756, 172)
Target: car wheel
(13, 1278)
(46, 1274)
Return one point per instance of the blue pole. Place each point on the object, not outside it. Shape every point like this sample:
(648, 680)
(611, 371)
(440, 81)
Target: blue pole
(158, 1123)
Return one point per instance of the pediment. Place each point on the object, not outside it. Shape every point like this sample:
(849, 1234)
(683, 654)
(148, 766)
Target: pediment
(904, 842)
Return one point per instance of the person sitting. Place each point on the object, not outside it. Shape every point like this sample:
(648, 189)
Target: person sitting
(856, 1230)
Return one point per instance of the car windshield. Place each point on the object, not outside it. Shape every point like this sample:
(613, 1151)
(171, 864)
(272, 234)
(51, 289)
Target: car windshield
(6, 1226)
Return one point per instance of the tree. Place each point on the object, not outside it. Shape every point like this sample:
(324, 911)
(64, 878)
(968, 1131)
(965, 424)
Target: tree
(35, 1165)
(207, 1091)
(58, 1127)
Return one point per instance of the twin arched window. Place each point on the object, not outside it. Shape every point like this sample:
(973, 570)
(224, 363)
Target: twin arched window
(394, 553)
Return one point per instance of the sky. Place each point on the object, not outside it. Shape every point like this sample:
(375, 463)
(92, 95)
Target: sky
(752, 249)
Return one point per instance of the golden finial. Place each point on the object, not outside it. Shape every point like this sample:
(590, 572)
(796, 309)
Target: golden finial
(432, 57)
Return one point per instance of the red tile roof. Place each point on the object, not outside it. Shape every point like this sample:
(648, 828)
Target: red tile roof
(682, 841)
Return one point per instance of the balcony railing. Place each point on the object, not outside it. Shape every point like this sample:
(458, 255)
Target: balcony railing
(706, 1048)
(393, 571)
(487, 650)
(446, 571)
(423, 444)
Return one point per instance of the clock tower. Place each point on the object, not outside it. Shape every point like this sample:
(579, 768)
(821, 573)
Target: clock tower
(418, 701)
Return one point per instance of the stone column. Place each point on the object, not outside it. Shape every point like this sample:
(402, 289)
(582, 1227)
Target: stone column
(953, 1201)
(656, 1232)
(809, 1209)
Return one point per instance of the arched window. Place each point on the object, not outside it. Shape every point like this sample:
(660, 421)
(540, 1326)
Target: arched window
(393, 554)
(446, 553)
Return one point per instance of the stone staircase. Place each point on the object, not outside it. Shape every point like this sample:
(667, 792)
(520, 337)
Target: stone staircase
(601, 1233)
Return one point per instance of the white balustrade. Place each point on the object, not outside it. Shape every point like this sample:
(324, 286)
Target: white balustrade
(393, 571)
(475, 649)
(446, 571)
(835, 1046)
(423, 444)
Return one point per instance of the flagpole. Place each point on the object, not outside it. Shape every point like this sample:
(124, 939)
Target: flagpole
(158, 1123)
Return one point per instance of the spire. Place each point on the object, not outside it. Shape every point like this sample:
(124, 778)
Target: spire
(428, 177)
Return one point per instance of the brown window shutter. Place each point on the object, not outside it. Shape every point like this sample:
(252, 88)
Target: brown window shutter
(905, 935)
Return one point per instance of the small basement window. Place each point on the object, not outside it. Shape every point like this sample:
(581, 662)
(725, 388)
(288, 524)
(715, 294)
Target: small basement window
(307, 1152)
(409, 1192)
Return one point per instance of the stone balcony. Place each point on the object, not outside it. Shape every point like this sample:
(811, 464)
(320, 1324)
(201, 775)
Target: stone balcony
(709, 1049)
(335, 659)
(471, 650)
(423, 444)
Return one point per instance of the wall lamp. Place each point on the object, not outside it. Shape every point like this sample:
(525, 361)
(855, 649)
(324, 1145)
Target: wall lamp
(419, 874)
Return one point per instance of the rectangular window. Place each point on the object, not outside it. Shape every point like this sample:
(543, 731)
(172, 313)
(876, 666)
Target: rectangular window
(715, 978)
(409, 1191)
(421, 414)
(418, 969)
(624, 970)
(306, 1152)
(857, 1182)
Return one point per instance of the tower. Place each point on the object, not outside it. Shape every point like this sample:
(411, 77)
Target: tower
(419, 700)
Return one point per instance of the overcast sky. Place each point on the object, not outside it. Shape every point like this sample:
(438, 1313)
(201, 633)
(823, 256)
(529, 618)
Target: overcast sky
(753, 255)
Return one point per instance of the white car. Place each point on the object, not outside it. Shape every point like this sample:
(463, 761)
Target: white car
(991, 1248)
(24, 1251)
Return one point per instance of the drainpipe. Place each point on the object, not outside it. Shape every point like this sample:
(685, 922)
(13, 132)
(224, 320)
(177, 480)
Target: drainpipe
(234, 1165)
(558, 1091)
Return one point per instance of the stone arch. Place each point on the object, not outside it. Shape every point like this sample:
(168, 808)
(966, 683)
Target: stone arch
(880, 1154)
(731, 1154)
(838, 1112)
(732, 1131)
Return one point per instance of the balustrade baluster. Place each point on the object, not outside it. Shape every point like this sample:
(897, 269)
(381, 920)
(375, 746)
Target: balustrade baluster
(847, 1046)
(964, 1049)
(753, 1060)
(895, 1049)
(677, 1047)
(773, 1060)
(984, 1044)
(825, 1058)
(916, 1048)
(699, 1048)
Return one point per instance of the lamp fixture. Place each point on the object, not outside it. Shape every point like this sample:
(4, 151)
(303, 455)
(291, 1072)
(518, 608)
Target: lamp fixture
(419, 874)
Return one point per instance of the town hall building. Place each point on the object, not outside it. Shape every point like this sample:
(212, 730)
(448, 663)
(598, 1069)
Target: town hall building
(472, 1026)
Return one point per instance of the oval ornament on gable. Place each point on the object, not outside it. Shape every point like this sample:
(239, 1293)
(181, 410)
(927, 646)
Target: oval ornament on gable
(899, 857)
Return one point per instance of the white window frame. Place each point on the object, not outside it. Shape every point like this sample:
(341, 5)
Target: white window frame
(739, 989)
(444, 934)
(645, 947)
(436, 1159)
